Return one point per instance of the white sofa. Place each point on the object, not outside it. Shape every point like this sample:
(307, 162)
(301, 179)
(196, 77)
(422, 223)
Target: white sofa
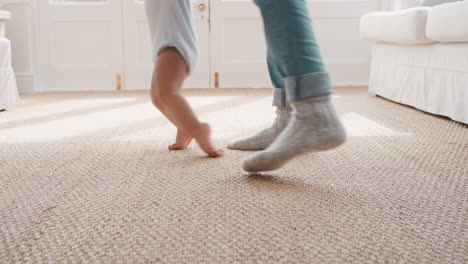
(8, 89)
(420, 56)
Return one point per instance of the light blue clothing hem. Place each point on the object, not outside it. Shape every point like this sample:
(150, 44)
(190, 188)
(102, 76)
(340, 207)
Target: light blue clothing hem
(302, 87)
(188, 58)
(171, 25)
(307, 86)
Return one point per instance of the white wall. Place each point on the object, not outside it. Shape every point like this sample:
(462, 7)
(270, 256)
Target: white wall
(21, 30)
(387, 5)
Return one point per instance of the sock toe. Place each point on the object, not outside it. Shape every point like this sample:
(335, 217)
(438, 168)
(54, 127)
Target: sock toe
(250, 164)
(248, 145)
(238, 145)
(261, 161)
(232, 145)
(264, 138)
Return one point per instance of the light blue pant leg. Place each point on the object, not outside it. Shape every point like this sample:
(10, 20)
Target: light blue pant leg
(279, 94)
(293, 53)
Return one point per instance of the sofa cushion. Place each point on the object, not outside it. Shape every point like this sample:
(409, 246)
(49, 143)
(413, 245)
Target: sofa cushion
(431, 3)
(399, 27)
(448, 22)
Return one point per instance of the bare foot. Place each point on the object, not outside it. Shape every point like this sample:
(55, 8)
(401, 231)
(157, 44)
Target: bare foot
(183, 140)
(203, 137)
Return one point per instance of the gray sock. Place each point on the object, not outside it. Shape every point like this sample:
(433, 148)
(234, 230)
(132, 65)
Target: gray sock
(314, 127)
(264, 138)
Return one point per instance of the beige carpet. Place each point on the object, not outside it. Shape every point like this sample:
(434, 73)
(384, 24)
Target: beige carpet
(85, 177)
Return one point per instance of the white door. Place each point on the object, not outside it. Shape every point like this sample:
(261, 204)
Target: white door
(80, 45)
(94, 45)
(238, 55)
(137, 48)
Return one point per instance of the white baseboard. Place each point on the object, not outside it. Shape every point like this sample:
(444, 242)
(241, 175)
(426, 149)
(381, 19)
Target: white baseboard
(26, 84)
(351, 84)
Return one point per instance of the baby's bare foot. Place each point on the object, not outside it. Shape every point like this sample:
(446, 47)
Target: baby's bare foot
(183, 140)
(203, 137)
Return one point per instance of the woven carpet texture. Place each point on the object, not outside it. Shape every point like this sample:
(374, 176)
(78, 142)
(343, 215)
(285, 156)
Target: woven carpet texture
(87, 178)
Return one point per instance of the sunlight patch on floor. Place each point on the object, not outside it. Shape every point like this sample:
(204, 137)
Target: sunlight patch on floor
(104, 120)
(136, 119)
(44, 109)
(358, 126)
(226, 121)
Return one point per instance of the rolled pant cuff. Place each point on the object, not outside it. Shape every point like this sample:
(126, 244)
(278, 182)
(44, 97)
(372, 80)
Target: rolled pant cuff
(279, 97)
(307, 86)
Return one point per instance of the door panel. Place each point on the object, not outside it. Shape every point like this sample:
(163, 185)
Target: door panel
(238, 47)
(138, 51)
(80, 44)
(239, 50)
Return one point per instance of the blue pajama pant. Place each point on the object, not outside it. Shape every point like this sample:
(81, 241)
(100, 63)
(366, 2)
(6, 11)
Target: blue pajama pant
(294, 61)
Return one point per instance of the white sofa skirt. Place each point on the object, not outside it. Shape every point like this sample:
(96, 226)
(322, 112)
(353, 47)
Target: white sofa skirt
(8, 89)
(432, 77)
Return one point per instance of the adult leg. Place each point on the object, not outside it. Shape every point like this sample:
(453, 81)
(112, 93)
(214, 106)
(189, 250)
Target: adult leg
(264, 138)
(315, 125)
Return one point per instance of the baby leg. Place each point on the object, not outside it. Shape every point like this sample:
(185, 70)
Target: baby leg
(168, 78)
